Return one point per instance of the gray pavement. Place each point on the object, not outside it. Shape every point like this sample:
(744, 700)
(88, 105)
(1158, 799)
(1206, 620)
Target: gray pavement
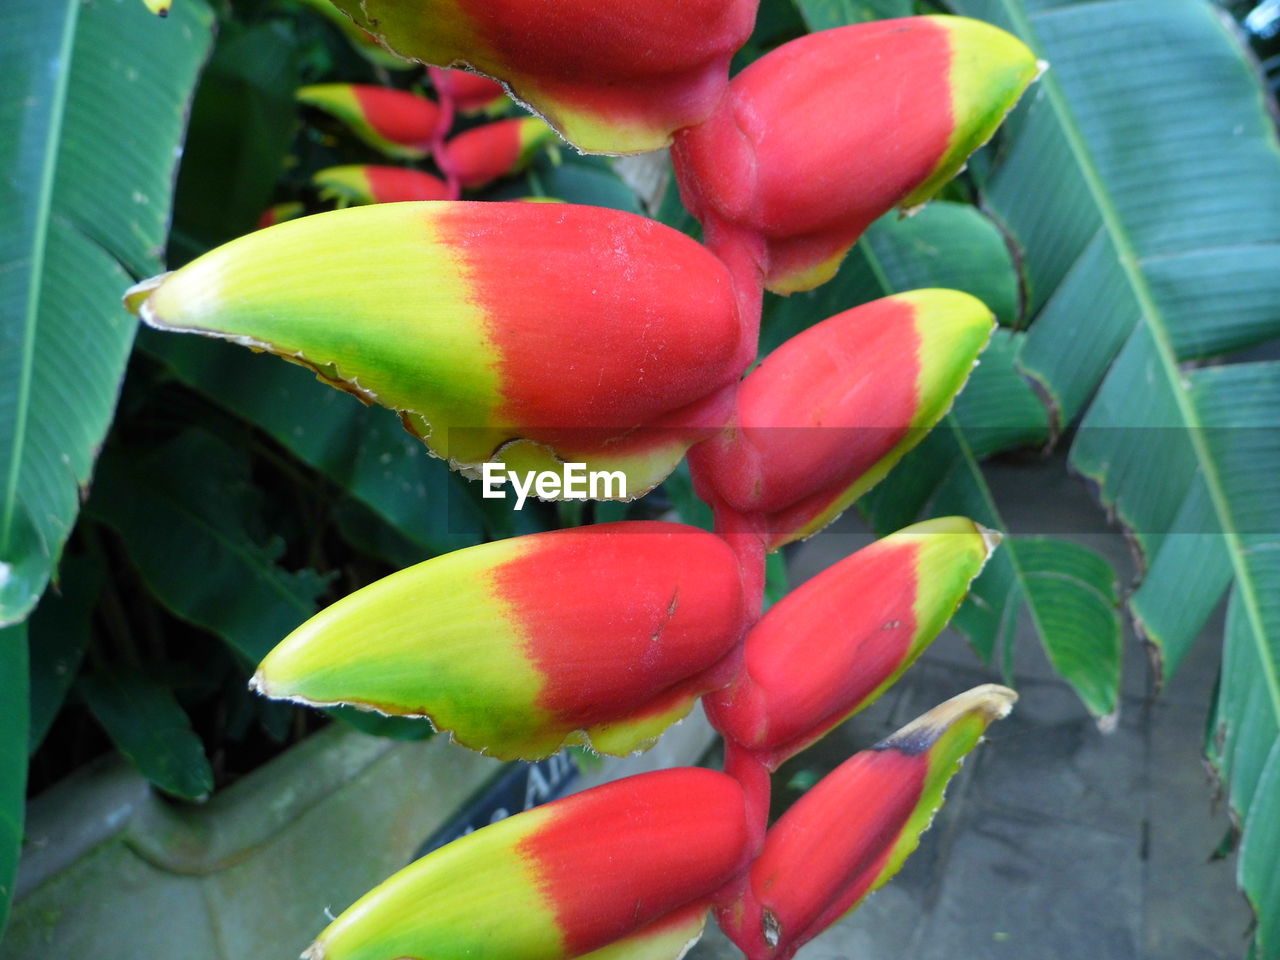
(1057, 841)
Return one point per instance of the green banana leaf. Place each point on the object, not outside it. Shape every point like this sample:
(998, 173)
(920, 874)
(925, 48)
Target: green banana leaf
(91, 118)
(1142, 183)
(85, 189)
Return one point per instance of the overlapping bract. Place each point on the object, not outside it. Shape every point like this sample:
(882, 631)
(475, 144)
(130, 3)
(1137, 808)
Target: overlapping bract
(639, 859)
(603, 635)
(850, 833)
(483, 154)
(497, 330)
(612, 78)
(354, 184)
(828, 413)
(471, 92)
(818, 138)
(398, 123)
(834, 644)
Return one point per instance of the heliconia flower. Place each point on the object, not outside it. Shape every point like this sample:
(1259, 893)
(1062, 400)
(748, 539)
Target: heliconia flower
(280, 212)
(159, 7)
(826, 415)
(851, 832)
(603, 635)
(364, 42)
(485, 153)
(365, 183)
(596, 335)
(474, 94)
(398, 123)
(823, 135)
(636, 859)
(835, 643)
(611, 78)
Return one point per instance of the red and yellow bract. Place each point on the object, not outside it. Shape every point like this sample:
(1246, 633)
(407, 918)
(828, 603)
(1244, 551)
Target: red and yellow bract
(851, 832)
(828, 413)
(638, 859)
(366, 183)
(834, 644)
(497, 330)
(398, 123)
(818, 138)
(602, 635)
(483, 154)
(612, 78)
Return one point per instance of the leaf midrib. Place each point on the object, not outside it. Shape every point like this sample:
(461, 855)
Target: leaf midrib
(39, 245)
(1153, 318)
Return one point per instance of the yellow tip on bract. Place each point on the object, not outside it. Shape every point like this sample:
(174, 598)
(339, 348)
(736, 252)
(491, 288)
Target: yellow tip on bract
(424, 307)
(990, 70)
(159, 7)
(954, 329)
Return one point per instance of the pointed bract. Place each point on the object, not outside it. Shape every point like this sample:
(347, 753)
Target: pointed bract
(827, 414)
(823, 135)
(398, 123)
(355, 184)
(483, 154)
(852, 832)
(597, 335)
(612, 78)
(472, 93)
(603, 635)
(833, 645)
(638, 858)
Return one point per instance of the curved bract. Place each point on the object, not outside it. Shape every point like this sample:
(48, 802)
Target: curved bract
(398, 123)
(852, 832)
(498, 330)
(602, 635)
(826, 415)
(638, 858)
(483, 154)
(367, 183)
(832, 646)
(471, 92)
(611, 78)
(823, 135)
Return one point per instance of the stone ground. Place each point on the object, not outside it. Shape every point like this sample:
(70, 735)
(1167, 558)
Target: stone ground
(1057, 842)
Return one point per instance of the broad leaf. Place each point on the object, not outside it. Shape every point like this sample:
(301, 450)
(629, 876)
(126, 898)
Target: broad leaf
(59, 634)
(149, 726)
(364, 450)
(1143, 186)
(89, 135)
(191, 522)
